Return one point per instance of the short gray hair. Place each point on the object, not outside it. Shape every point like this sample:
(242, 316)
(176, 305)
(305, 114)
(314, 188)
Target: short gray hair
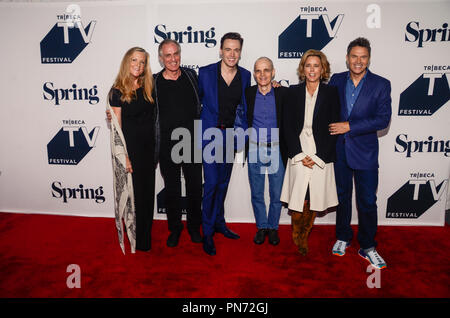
(167, 41)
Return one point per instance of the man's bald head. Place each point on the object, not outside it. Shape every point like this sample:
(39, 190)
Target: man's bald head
(263, 59)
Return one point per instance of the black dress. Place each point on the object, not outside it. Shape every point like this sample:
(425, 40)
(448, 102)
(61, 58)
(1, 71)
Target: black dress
(138, 130)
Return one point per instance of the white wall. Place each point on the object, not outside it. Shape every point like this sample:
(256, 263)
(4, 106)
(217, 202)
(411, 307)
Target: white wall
(29, 120)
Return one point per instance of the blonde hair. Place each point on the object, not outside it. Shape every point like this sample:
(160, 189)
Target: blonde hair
(324, 75)
(124, 82)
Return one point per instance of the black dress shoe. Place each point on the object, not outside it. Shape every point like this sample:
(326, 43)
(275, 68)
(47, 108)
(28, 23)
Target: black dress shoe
(228, 233)
(274, 239)
(173, 239)
(260, 236)
(143, 249)
(208, 245)
(195, 237)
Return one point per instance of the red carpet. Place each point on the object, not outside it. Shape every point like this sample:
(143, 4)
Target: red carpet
(35, 251)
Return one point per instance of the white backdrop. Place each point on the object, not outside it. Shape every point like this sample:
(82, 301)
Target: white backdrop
(55, 155)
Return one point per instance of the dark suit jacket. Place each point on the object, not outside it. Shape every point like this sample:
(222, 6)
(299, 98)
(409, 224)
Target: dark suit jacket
(280, 93)
(371, 112)
(326, 111)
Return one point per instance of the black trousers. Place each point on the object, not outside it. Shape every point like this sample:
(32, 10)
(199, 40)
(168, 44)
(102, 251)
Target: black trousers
(144, 196)
(171, 173)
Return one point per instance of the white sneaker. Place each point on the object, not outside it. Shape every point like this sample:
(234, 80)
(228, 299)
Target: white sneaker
(340, 247)
(373, 258)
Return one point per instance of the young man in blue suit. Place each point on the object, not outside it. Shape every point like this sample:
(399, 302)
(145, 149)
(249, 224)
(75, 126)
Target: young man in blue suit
(221, 90)
(366, 108)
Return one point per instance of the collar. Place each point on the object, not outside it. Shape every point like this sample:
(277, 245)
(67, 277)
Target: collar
(269, 93)
(362, 79)
(219, 70)
(314, 95)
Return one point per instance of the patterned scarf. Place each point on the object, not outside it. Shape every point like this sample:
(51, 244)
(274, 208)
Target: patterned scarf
(123, 185)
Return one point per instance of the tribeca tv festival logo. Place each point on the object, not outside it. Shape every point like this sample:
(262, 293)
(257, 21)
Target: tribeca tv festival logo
(312, 29)
(427, 94)
(68, 37)
(186, 36)
(416, 196)
(72, 143)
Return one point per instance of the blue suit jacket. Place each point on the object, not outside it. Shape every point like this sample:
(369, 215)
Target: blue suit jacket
(371, 112)
(208, 92)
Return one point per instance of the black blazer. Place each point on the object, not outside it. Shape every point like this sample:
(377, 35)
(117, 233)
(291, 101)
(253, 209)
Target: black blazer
(326, 111)
(280, 94)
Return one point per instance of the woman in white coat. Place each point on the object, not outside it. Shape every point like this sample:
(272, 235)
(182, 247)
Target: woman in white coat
(309, 184)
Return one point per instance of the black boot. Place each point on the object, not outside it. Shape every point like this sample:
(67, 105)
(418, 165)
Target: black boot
(260, 236)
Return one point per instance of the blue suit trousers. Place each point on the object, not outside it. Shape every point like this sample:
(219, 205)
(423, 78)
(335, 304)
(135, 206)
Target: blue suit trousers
(366, 183)
(217, 177)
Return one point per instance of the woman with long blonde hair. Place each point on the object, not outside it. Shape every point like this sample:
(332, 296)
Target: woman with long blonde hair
(132, 103)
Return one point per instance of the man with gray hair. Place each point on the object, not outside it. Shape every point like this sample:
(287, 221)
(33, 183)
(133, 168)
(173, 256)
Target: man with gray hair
(177, 106)
(266, 149)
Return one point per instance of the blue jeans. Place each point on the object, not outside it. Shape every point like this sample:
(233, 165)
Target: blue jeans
(260, 160)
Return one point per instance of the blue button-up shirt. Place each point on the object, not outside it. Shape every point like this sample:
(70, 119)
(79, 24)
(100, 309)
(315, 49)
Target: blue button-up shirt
(264, 116)
(352, 92)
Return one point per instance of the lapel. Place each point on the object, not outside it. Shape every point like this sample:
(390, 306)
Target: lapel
(301, 102)
(278, 105)
(342, 85)
(319, 100)
(251, 96)
(244, 82)
(214, 84)
(365, 90)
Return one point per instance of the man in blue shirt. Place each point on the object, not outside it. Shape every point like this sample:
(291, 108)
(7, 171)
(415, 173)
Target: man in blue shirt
(366, 108)
(266, 149)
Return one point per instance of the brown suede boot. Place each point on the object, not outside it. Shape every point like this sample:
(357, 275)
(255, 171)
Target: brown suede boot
(296, 222)
(307, 222)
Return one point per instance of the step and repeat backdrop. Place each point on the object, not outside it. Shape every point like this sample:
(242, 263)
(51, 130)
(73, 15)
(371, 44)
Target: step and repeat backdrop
(59, 60)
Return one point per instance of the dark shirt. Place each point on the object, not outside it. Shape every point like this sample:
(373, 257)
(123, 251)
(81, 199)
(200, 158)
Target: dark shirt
(177, 104)
(137, 127)
(229, 98)
(138, 110)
